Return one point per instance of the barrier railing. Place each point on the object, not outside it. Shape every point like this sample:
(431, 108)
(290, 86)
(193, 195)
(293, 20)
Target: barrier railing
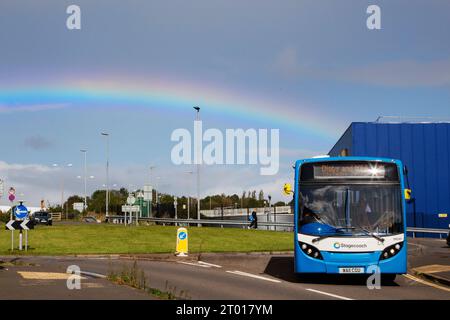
(247, 223)
(203, 221)
(428, 230)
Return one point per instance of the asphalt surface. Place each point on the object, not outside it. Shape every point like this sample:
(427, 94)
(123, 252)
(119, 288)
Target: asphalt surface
(215, 276)
(37, 278)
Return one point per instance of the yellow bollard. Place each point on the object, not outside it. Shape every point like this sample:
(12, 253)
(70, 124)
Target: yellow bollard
(182, 242)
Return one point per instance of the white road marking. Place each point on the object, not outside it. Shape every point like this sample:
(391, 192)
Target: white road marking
(426, 282)
(93, 274)
(240, 273)
(210, 264)
(194, 264)
(329, 294)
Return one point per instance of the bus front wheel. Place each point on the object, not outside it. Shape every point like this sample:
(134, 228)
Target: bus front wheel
(388, 277)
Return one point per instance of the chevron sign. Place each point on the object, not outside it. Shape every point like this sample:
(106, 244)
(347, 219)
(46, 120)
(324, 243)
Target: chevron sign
(19, 225)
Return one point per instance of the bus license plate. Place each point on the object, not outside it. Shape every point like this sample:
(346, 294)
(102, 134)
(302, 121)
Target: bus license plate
(351, 270)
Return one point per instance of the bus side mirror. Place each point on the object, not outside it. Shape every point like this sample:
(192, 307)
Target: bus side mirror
(407, 194)
(287, 189)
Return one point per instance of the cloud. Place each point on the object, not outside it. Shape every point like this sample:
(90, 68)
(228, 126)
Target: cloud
(393, 73)
(24, 168)
(37, 142)
(39, 182)
(31, 108)
(403, 73)
(287, 62)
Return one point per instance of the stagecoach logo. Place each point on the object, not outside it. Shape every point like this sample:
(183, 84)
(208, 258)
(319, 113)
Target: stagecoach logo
(338, 245)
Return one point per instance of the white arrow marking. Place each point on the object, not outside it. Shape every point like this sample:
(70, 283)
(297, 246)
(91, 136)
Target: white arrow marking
(24, 225)
(9, 225)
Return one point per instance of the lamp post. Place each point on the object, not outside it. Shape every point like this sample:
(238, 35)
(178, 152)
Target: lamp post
(270, 209)
(150, 201)
(85, 177)
(69, 165)
(197, 118)
(105, 134)
(188, 197)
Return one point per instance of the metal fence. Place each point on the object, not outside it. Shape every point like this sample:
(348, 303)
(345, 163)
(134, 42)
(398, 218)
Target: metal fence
(281, 225)
(56, 216)
(231, 212)
(428, 230)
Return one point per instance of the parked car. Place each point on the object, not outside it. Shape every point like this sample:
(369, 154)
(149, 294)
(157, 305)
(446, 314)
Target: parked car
(42, 217)
(90, 219)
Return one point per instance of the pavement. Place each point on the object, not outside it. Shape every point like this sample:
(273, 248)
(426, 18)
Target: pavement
(35, 278)
(216, 276)
(430, 259)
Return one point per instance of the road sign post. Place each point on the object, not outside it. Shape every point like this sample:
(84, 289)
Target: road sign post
(148, 197)
(11, 198)
(20, 225)
(130, 201)
(175, 203)
(130, 209)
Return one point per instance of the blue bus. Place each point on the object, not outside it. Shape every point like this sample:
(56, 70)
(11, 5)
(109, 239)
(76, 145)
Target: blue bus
(350, 216)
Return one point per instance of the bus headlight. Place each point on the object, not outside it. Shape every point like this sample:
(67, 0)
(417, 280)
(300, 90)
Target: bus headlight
(310, 251)
(391, 251)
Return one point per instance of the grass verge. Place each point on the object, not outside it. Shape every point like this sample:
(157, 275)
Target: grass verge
(118, 239)
(134, 277)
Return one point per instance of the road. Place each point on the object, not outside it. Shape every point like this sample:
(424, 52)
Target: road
(213, 276)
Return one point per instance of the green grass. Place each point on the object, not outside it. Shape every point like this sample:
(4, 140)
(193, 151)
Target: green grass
(118, 239)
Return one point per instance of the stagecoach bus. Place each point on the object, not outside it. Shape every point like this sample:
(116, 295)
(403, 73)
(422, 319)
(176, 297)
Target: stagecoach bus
(350, 216)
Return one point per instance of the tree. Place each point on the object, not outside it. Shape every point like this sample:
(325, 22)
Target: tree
(68, 206)
(261, 195)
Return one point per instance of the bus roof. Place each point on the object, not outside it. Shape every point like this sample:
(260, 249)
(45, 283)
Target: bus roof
(326, 159)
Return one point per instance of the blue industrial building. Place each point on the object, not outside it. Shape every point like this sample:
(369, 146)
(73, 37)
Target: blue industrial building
(424, 148)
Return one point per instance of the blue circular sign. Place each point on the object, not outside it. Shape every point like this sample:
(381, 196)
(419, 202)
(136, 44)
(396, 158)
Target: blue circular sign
(182, 235)
(21, 212)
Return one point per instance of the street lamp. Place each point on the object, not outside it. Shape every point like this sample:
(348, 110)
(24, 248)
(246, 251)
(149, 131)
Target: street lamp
(150, 198)
(107, 173)
(197, 118)
(188, 197)
(85, 177)
(69, 165)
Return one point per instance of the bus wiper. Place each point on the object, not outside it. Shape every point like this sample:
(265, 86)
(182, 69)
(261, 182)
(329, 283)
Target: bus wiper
(323, 237)
(366, 232)
(347, 228)
(371, 234)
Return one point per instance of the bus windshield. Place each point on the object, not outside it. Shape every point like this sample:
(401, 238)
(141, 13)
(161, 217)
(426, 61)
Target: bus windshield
(355, 209)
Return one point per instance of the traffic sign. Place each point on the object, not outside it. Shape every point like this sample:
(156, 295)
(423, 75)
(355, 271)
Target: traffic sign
(131, 200)
(19, 225)
(148, 192)
(182, 242)
(21, 212)
(12, 194)
(79, 206)
(128, 208)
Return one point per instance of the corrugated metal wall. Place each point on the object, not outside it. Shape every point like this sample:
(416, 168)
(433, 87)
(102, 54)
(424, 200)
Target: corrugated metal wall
(425, 149)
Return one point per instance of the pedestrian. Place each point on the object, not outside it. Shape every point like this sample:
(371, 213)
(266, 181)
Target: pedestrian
(254, 220)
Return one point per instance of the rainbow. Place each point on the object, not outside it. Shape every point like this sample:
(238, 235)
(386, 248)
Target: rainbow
(170, 96)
